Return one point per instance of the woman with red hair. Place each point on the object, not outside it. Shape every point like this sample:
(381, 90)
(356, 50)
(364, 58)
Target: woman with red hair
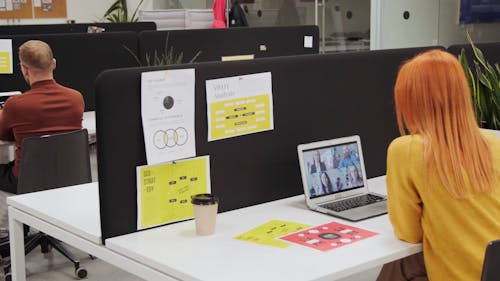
(443, 178)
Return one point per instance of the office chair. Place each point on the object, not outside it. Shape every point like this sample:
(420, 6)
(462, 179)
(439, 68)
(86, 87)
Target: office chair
(491, 271)
(48, 162)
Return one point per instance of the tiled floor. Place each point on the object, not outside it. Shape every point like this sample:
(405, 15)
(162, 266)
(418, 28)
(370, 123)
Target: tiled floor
(55, 267)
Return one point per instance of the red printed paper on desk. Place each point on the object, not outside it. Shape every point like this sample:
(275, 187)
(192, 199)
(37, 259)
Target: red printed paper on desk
(328, 236)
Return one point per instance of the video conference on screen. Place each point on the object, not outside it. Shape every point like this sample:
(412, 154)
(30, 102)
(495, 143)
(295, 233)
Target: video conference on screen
(333, 169)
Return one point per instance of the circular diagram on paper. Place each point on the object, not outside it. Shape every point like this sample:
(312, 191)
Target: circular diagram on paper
(158, 139)
(329, 236)
(170, 138)
(168, 102)
(182, 136)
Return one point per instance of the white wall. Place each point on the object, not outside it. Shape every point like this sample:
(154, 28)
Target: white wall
(431, 22)
(82, 11)
(420, 29)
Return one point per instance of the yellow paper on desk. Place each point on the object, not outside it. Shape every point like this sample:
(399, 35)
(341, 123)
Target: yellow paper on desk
(267, 233)
(164, 190)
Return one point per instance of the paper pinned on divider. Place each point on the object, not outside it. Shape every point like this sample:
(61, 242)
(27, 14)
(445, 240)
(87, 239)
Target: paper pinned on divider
(164, 190)
(167, 108)
(6, 56)
(239, 105)
(238, 57)
(308, 41)
(37, 3)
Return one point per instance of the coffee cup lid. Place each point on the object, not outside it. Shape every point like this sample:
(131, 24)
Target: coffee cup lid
(204, 199)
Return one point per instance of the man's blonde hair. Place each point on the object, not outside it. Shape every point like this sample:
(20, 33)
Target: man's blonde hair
(36, 54)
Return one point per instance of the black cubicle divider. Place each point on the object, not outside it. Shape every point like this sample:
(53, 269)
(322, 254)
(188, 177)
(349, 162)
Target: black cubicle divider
(74, 28)
(215, 43)
(80, 58)
(491, 51)
(315, 97)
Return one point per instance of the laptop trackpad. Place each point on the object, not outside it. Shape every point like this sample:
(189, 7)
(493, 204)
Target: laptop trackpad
(363, 212)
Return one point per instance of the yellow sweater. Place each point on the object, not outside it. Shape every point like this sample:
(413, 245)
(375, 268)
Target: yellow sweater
(454, 232)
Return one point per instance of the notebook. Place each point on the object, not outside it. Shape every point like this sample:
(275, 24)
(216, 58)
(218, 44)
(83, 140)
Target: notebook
(334, 179)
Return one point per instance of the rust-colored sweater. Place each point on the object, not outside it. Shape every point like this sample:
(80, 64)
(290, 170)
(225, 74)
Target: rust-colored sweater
(46, 108)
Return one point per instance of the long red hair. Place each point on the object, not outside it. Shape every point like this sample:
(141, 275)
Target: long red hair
(433, 100)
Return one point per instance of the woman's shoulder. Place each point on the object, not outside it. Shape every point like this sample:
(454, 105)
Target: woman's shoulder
(406, 143)
(491, 135)
(493, 139)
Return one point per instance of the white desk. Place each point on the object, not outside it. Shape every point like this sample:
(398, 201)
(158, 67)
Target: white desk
(70, 214)
(174, 252)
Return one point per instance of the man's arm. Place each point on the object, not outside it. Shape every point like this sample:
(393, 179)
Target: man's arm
(6, 133)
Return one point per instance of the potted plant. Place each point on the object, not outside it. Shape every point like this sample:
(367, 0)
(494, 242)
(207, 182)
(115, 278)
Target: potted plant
(165, 57)
(118, 12)
(484, 82)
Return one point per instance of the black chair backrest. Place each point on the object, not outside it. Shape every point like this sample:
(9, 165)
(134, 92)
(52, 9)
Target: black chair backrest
(52, 161)
(491, 270)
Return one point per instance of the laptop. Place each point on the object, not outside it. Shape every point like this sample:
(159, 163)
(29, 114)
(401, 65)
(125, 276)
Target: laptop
(334, 179)
(5, 95)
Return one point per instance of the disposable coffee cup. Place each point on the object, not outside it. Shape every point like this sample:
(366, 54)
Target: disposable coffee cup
(205, 212)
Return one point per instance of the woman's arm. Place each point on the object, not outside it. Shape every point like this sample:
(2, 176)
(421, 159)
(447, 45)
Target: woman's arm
(404, 203)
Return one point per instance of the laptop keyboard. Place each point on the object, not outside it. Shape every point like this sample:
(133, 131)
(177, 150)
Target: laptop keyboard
(358, 201)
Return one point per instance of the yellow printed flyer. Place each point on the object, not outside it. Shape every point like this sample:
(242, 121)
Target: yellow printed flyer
(267, 233)
(239, 105)
(164, 190)
(6, 56)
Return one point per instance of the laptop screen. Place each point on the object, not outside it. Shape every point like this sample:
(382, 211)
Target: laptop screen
(333, 169)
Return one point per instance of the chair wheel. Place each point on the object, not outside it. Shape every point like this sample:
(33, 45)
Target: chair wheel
(8, 277)
(80, 273)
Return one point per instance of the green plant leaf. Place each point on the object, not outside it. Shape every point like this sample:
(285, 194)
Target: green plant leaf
(178, 60)
(114, 7)
(118, 12)
(133, 55)
(195, 57)
(134, 17)
(477, 52)
(124, 9)
(462, 58)
(484, 82)
(167, 57)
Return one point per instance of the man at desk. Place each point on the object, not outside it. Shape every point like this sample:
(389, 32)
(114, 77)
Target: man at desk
(46, 108)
